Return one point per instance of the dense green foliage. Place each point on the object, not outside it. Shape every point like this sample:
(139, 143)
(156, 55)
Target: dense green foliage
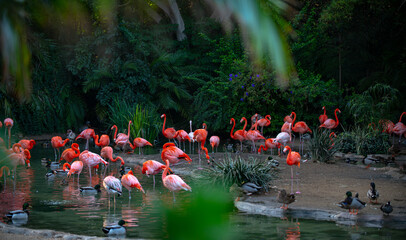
(127, 66)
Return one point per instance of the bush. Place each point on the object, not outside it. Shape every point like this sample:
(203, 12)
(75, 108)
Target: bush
(323, 145)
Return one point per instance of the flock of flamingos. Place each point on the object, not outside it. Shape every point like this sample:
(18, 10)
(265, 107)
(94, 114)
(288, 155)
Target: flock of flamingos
(19, 154)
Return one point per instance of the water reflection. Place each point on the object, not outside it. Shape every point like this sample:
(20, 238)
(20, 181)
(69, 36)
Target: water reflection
(289, 229)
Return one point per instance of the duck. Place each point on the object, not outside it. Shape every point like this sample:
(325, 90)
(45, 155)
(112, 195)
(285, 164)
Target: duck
(19, 214)
(387, 208)
(50, 175)
(285, 198)
(372, 193)
(90, 190)
(351, 203)
(249, 188)
(117, 229)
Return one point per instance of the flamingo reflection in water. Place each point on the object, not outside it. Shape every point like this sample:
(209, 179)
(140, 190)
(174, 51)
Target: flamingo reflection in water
(289, 229)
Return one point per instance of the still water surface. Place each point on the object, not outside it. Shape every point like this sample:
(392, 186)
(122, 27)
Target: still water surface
(59, 206)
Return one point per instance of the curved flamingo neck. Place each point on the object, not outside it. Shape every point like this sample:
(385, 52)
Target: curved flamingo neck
(96, 140)
(166, 170)
(289, 150)
(75, 148)
(16, 147)
(294, 118)
(268, 117)
(163, 126)
(115, 133)
(204, 126)
(335, 113)
(245, 124)
(117, 158)
(232, 129)
(66, 166)
(324, 108)
(400, 119)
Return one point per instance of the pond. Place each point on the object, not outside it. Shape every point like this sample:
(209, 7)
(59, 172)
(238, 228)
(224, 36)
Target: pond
(58, 205)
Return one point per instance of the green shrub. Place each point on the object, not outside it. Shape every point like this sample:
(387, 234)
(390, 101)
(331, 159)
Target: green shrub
(323, 146)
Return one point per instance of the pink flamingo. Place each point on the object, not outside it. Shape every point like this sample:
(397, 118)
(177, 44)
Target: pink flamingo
(129, 181)
(182, 136)
(288, 118)
(152, 167)
(330, 123)
(200, 135)
(214, 142)
(8, 123)
(76, 168)
(91, 160)
(107, 154)
(400, 128)
(4, 170)
(28, 144)
(86, 134)
(323, 117)
(70, 153)
(169, 133)
(254, 135)
(103, 141)
(57, 143)
(173, 182)
(293, 158)
(239, 134)
(122, 139)
(20, 157)
(264, 122)
(140, 143)
(301, 128)
(173, 154)
(270, 143)
(112, 186)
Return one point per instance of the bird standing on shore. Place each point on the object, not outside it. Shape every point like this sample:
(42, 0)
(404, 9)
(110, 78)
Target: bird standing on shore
(372, 193)
(387, 208)
(285, 198)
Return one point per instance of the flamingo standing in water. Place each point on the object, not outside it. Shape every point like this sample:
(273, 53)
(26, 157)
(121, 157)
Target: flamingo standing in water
(200, 135)
(330, 123)
(214, 142)
(57, 143)
(264, 122)
(173, 182)
(140, 143)
(169, 133)
(76, 168)
(173, 154)
(103, 141)
(293, 158)
(301, 128)
(239, 134)
(86, 134)
(400, 128)
(28, 144)
(122, 139)
(112, 186)
(129, 181)
(254, 135)
(8, 123)
(70, 153)
(107, 154)
(91, 160)
(270, 143)
(19, 157)
(152, 167)
(182, 136)
(323, 117)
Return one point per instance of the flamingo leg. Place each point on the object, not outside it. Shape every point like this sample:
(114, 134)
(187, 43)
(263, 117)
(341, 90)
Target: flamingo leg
(174, 200)
(90, 172)
(153, 177)
(87, 145)
(55, 154)
(291, 178)
(297, 183)
(129, 194)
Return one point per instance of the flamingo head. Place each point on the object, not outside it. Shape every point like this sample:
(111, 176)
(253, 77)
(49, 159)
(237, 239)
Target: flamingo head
(130, 172)
(163, 115)
(286, 149)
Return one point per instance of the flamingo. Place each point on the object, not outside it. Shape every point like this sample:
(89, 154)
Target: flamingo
(75, 168)
(107, 154)
(140, 143)
(129, 181)
(169, 133)
(182, 136)
(8, 123)
(387, 127)
(191, 134)
(301, 128)
(270, 143)
(293, 158)
(173, 182)
(239, 134)
(330, 123)
(86, 134)
(103, 141)
(214, 142)
(323, 117)
(4, 170)
(71, 135)
(1, 124)
(200, 135)
(19, 158)
(91, 160)
(400, 128)
(122, 139)
(112, 186)
(173, 154)
(70, 153)
(28, 144)
(254, 135)
(57, 143)
(264, 122)
(288, 118)
(152, 167)
(283, 138)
